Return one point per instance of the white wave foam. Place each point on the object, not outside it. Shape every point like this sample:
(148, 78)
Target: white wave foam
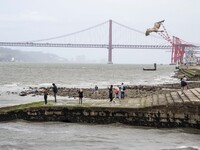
(188, 148)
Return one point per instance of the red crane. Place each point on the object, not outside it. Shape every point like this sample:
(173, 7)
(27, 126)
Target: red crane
(178, 46)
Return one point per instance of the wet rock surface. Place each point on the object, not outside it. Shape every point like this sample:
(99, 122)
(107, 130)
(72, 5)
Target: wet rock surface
(132, 91)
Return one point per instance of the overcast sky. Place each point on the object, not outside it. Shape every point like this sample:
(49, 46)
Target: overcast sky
(24, 20)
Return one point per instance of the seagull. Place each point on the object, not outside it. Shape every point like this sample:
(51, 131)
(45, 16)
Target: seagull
(155, 28)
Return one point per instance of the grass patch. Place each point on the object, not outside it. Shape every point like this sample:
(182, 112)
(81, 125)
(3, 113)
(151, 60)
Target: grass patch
(69, 105)
(22, 106)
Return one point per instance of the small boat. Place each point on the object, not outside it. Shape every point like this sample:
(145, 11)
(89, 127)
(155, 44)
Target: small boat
(149, 69)
(154, 69)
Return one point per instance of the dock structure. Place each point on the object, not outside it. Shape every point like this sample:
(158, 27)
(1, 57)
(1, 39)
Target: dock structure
(191, 72)
(168, 110)
(175, 98)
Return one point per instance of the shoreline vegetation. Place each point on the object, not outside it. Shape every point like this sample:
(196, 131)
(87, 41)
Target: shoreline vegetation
(144, 105)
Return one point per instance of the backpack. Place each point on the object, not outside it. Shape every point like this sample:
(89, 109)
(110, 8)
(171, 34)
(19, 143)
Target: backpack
(55, 89)
(124, 88)
(183, 83)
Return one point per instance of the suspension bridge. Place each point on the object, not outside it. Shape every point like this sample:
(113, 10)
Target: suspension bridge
(113, 35)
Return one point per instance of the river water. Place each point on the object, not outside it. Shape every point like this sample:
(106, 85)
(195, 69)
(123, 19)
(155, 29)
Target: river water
(16, 77)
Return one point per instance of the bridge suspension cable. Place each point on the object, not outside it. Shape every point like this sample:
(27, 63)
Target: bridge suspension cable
(69, 34)
(138, 31)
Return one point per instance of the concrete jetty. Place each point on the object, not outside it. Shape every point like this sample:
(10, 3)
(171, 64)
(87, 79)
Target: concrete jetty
(167, 110)
(191, 72)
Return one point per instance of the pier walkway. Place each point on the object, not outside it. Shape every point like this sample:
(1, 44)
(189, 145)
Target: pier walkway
(189, 96)
(168, 110)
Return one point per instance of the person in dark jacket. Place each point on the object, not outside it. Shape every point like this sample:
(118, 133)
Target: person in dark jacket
(96, 89)
(183, 84)
(55, 90)
(80, 95)
(122, 91)
(110, 91)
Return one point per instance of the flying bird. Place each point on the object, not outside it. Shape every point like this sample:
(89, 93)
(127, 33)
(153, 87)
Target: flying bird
(155, 28)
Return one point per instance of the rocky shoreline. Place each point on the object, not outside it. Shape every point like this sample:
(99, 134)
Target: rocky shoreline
(132, 91)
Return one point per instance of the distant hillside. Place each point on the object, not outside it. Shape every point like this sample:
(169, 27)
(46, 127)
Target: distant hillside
(8, 55)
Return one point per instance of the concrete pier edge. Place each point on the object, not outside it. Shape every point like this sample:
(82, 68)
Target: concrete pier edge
(172, 116)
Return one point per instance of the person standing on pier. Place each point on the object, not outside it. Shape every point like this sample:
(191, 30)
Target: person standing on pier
(183, 84)
(45, 91)
(122, 90)
(55, 90)
(110, 91)
(116, 91)
(80, 95)
(96, 90)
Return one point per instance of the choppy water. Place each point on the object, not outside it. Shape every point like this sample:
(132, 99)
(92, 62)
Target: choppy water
(84, 75)
(60, 136)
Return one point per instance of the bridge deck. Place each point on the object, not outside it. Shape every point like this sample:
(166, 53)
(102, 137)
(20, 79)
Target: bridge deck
(71, 45)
